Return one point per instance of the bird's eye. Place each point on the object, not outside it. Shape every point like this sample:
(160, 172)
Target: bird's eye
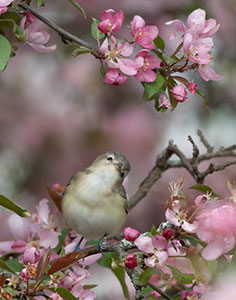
(122, 174)
(110, 158)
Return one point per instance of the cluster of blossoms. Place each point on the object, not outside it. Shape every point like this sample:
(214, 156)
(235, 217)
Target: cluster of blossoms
(184, 243)
(33, 237)
(141, 67)
(197, 41)
(196, 44)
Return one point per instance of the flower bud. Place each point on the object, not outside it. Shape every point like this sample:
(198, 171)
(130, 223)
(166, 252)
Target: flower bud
(167, 233)
(131, 261)
(179, 93)
(31, 255)
(191, 87)
(131, 234)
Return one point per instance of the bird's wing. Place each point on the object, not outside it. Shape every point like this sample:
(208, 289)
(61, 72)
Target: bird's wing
(122, 192)
(76, 177)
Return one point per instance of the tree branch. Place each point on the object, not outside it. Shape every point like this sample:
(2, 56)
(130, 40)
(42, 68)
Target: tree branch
(65, 35)
(164, 163)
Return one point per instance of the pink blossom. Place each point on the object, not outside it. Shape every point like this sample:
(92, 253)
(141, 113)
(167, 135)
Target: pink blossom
(188, 294)
(52, 295)
(114, 77)
(31, 255)
(179, 93)
(81, 293)
(74, 276)
(3, 5)
(151, 62)
(217, 227)
(131, 234)
(155, 247)
(208, 73)
(191, 87)
(110, 23)
(36, 37)
(164, 102)
(177, 217)
(198, 26)
(115, 56)
(131, 261)
(143, 35)
(144, 244)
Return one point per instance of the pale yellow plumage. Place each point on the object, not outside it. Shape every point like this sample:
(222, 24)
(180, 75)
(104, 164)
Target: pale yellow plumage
(94, 202)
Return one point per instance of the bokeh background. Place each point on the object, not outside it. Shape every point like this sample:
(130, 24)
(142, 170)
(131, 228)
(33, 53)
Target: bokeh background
(57, 115)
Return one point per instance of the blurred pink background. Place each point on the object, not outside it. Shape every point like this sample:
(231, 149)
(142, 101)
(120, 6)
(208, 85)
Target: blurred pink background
(56, 114)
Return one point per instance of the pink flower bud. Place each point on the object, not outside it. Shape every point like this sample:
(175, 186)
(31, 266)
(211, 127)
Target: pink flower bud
(131, 234)
(191, 87)
(167, 233)
(24, 274)
(114, 77)
(179, 93)
(31, 255)
(131, 261)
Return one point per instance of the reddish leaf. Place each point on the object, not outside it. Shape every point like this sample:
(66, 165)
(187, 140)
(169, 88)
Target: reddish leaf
(55, 197)
(43, 263)
(66, 261)
(70, 259)
(2, 279)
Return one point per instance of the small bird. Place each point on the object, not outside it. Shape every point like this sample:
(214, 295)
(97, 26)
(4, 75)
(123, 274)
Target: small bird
(94, 202)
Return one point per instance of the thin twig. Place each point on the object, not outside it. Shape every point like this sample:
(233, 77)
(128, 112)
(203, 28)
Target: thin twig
(65, 35)
(205, 142)
(164, 163)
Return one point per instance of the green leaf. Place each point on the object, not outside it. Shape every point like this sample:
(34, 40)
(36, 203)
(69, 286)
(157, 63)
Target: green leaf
(4, 266)
(146, 291)
(212, 265)
(5, 51)
(159, 43)
(145, 276)
(201, 94)
(89, 286)
(205, 189)
(7, 203)
(65, 294)
(181, 277)
(96, 33)
(14, 264)
(118, 271)
(80, 51)
(79, 7)
(62, 238)
(153, 87)
(39, 3)
(11, 15)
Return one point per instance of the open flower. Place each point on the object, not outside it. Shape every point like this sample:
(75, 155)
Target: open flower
(143, 35)
(116, 56)
(3, 5)
(36, 37)
(110, 23)
(151, 62)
